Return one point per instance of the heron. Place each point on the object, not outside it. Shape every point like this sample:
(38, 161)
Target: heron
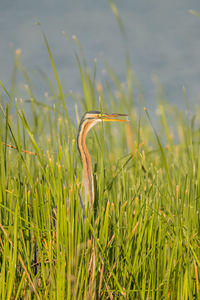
(88, 120)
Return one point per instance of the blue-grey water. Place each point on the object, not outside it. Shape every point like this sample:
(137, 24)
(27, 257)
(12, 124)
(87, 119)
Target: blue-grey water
(163, 39)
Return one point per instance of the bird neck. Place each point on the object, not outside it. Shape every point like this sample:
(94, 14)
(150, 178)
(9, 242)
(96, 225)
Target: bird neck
(87, 166)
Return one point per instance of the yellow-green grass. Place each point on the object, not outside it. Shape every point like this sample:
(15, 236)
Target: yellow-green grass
(145, 225)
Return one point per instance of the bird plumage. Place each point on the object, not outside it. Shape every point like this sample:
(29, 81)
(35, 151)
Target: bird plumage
(88, 120)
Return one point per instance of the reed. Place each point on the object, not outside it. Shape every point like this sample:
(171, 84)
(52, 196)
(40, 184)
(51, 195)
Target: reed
(145, 226)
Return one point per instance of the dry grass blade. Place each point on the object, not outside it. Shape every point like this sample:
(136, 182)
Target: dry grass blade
(22, 150)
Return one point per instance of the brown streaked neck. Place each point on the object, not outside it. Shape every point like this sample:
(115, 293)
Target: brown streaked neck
(86, 160)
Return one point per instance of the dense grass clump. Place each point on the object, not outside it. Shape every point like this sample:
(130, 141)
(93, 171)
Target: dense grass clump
(141, 240)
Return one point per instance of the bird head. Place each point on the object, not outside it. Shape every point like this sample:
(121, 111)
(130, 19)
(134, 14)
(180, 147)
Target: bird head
(97, 116)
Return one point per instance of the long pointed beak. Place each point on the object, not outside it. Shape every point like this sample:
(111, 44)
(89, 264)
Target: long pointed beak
(113, 117)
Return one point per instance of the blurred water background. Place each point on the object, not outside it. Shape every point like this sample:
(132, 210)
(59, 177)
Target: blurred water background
(163, 39)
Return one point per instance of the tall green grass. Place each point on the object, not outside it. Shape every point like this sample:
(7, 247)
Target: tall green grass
(145, 225)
